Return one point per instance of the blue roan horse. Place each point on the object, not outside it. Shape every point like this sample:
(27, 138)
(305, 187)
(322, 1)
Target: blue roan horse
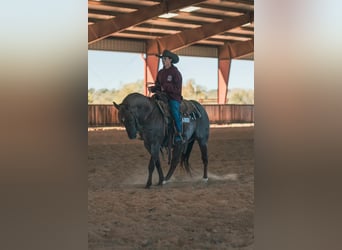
(143, 115)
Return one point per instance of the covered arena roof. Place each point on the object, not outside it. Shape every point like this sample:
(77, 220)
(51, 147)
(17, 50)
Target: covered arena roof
(212, 28)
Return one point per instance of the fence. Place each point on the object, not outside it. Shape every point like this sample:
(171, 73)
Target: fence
(107, 115)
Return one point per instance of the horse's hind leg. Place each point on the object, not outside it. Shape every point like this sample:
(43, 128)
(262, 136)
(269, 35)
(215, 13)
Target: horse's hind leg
(150, 172)
(204, 154)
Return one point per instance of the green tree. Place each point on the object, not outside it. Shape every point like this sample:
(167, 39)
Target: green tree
(193, 91)
(240, 96)
(107, 96)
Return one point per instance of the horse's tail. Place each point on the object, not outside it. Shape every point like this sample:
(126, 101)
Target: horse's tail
(162, 153)
(186, 165)
(186, 155)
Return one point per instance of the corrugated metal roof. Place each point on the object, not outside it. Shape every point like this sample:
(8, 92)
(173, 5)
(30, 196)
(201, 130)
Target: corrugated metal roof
(133, 25)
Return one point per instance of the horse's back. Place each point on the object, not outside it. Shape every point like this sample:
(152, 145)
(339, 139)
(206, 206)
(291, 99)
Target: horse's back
(203, 112)
(198, 120)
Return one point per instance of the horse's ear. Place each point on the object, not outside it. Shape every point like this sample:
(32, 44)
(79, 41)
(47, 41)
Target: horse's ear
(116, 105)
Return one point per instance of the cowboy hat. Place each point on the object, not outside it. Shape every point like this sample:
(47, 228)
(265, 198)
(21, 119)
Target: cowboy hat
(167, 53)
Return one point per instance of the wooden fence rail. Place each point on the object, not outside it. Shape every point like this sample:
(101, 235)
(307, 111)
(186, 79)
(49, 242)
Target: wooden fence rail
(107, 115)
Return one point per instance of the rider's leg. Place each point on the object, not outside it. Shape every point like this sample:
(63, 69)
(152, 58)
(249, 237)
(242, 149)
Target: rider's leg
(175, 111)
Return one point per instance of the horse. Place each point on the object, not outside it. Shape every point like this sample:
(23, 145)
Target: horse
(144, 116)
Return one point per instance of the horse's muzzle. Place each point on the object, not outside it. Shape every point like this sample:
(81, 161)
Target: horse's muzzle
(132, 136)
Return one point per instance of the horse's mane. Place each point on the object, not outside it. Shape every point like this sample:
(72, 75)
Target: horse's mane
(134, 94)
(134, 97)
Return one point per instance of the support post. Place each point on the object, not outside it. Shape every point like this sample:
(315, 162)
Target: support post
(224, 63)
(151, 71)
(151, 63)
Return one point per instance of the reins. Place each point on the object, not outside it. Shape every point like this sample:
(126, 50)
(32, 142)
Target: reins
(137, 123)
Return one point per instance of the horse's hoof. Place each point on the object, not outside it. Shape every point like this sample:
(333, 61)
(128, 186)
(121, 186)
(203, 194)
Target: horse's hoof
(205, 179)
(165, 181)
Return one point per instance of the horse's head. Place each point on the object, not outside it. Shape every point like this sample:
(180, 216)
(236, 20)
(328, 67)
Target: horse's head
(128, 120)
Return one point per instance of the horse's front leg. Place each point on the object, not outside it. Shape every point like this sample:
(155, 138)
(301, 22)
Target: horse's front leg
(150, 172)
(154, 161)
(155, 149)
(160, 172)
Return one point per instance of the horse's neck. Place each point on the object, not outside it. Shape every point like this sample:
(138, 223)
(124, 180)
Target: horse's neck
(143, 109)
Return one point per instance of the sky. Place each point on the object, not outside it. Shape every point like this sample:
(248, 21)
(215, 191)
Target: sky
(111, 70)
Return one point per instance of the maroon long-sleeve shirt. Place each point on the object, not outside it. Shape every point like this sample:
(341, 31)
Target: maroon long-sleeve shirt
(170, 81)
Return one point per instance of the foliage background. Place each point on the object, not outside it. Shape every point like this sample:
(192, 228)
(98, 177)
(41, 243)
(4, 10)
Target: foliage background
(190, 91)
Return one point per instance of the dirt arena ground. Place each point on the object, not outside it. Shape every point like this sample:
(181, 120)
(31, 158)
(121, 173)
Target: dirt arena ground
(185, 213)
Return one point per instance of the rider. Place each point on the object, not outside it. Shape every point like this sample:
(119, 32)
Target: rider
(169, 81)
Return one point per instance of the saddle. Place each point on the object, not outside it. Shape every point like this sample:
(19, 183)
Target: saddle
(187, 109)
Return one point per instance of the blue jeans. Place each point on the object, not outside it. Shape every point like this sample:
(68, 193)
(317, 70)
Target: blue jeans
(175, 111)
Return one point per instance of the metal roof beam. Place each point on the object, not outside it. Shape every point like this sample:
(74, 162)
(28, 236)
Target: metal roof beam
(236, 49)
(188, 37)
(106, 13)
(224, 8)
(114, 5)
(103, 29)
(239, 35)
